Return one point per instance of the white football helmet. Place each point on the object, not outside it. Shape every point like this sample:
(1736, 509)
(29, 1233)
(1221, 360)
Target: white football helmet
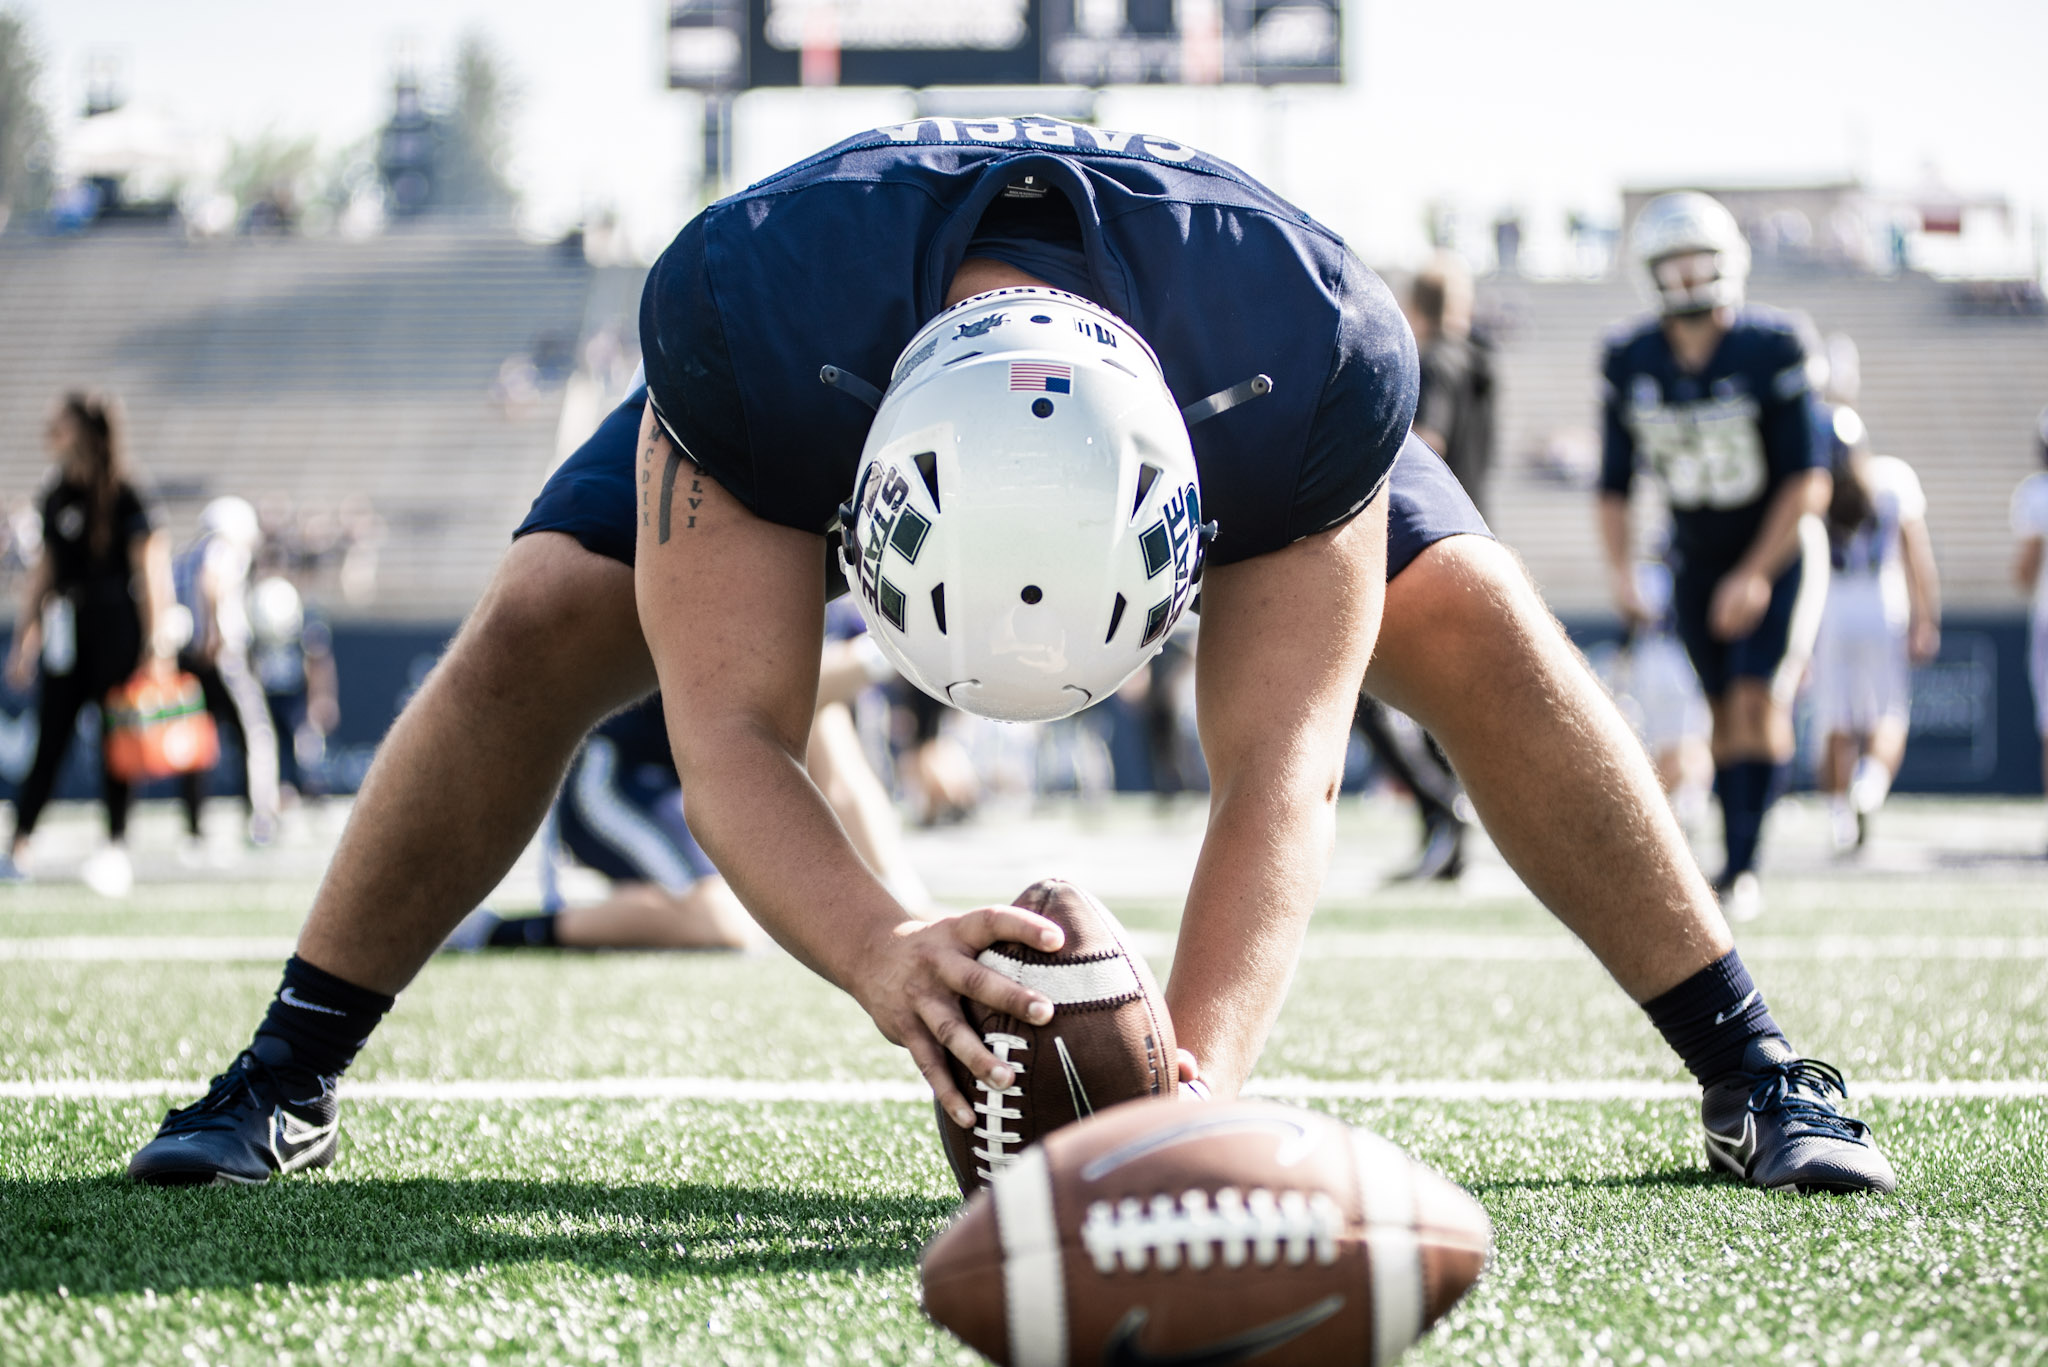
(1025, 526)
(233, 520)
(1688, 223)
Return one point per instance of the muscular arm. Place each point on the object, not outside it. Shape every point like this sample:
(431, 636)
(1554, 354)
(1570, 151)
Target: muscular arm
(1285, 641)
(1744, 593)
(732, 607)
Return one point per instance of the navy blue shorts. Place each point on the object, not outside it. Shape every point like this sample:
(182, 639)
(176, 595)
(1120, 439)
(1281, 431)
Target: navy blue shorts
(625, 820)
(590, 496)
(1779, 644)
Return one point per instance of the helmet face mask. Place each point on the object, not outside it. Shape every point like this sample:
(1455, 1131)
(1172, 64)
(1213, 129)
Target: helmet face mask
(1689, 253)
(1024, 526)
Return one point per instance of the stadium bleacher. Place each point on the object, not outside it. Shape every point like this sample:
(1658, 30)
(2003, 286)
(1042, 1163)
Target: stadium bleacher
(321, 368)
(316, 368)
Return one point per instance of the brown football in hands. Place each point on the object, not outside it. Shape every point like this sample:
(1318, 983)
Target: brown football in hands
(1109, 1039)
(1184, 1232)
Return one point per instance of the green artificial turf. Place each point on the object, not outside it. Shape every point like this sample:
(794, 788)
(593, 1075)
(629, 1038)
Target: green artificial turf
(696, 1232)
(685, 1233)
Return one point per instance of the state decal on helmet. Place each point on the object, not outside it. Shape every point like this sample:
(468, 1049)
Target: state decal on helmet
(1674, 227)
(1026, 525)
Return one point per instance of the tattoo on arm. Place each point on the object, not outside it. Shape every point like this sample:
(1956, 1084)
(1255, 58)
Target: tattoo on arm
(669, 470)
(668, 491)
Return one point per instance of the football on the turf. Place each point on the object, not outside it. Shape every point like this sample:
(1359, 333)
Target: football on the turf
(1109, 1039)
(1174, 1231)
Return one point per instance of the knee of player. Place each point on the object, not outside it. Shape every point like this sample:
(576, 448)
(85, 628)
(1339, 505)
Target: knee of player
(1468, 598)
(522, 627)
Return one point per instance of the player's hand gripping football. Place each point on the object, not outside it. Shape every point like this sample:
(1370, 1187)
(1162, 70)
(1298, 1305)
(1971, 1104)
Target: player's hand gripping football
(913, 982)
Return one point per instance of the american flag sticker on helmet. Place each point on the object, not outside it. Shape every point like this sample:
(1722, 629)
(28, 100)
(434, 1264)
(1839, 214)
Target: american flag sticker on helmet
(1049, 377)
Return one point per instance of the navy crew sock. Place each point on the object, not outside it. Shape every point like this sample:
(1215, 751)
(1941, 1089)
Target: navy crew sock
(524, 932)
(323, 1020)
(1747, 788)
(1712, 1016)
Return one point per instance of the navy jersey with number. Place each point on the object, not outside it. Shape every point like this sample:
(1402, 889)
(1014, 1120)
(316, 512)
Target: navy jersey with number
(839, 259)
(1722, 441)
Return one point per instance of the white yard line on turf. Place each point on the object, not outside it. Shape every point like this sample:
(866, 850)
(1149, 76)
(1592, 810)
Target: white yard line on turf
(1341, 944)
(879, 1091)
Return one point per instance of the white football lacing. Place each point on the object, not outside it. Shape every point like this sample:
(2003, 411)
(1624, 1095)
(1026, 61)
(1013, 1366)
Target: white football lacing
(1194, 1228)
(993, 1131)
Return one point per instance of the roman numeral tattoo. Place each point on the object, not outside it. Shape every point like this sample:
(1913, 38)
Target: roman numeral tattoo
(668, 493)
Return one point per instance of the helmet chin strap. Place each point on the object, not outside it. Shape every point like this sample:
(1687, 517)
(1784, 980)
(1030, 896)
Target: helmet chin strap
(850, 384)
(1201, 410)
(1223, 400)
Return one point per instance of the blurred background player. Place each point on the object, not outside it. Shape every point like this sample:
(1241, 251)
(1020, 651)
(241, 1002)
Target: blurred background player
(1883, 611)
(291, 652)
(620, 814)
(96, 606)
(1454, 407)
(1713, 399)
(2030, 572)
(212, 577)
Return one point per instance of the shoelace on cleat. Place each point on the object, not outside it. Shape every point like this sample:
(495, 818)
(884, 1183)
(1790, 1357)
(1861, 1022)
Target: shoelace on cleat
(1796, 1091)
(248, 1079)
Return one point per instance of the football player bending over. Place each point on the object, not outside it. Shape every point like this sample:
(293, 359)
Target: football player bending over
(1075, 329)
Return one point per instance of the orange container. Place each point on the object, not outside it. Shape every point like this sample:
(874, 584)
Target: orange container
(157, 726)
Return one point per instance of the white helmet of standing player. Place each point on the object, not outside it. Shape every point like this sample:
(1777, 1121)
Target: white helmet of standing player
(1025, 526)
(1687, 224)
(233, 520)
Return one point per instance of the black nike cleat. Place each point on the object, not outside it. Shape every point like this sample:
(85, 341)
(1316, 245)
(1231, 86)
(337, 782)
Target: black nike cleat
(245, 1128)
(1773, 1123)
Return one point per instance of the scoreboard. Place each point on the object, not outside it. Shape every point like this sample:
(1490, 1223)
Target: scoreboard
(731, 45)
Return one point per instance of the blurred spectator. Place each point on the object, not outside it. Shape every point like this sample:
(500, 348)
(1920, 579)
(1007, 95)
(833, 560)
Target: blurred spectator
(1507, 243)
(1454, 410)
(212, 576)
(291, 652)
(2030, 571)
(1454, 417)
(96, 606)
(338, 547)
(1883, 611)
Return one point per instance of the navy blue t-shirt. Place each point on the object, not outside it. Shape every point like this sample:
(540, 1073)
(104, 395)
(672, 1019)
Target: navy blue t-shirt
(841, 258)
(1722, 441)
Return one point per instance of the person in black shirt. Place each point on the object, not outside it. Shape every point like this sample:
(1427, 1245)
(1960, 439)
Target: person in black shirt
(89, 613)
(1454, 417)
(1454, 407)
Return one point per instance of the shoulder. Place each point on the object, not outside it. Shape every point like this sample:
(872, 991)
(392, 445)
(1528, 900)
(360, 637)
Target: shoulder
(1770, 336)
(1770, 344)
(1631, 344)
(1892, 479)
(1891, 473)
